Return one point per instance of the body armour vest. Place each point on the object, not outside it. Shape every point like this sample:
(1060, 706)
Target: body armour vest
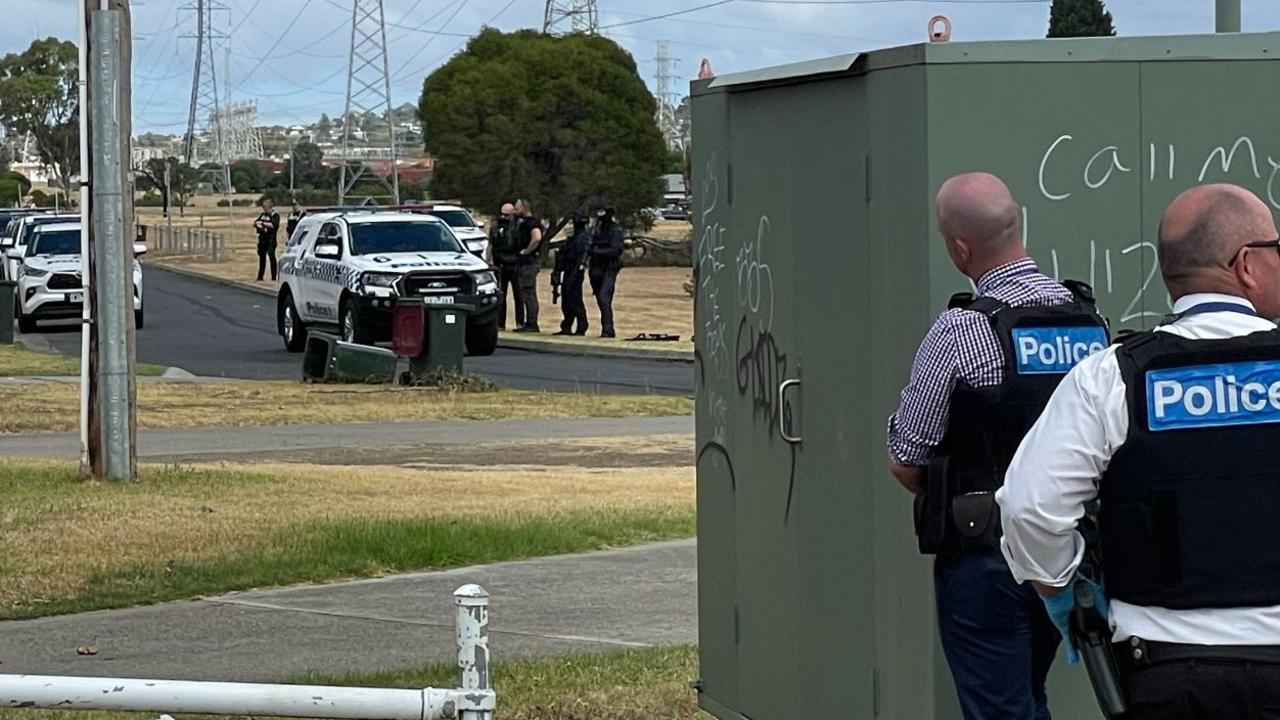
(1188, 501)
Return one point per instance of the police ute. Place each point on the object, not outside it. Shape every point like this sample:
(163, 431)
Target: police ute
(49, 281)
(345, 269)
(469, 230)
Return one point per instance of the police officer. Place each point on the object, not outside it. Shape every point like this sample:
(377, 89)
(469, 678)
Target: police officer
(569, 270)
(1172, 431)
(295, 217)
(528, 262)
(268, 227)
(982, 375)
(501, 254)
(606, 261)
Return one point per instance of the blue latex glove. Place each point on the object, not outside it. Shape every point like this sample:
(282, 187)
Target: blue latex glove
(1060, 606)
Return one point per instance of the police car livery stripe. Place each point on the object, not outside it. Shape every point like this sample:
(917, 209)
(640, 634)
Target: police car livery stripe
(1055, 350)
(1241, 393)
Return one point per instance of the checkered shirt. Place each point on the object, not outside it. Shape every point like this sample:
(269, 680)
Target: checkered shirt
(961, 345)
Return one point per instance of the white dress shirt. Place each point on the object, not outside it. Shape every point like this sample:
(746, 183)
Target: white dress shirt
(1056, 471)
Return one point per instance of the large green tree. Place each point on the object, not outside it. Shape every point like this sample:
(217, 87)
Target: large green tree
(1079, 18)
(309, 169)
(565, 122)
(39, 95)
(183, 179)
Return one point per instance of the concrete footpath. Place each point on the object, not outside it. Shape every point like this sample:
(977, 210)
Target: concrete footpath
(227, 442)
(607, 600)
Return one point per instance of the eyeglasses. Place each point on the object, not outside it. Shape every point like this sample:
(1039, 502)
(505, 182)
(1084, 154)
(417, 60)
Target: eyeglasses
(1259, 244)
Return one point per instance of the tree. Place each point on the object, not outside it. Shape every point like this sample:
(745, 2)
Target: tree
(1079, 18)
(39, 95)
(577, 131)
(249, 176)
(182, 179)
(324, 127)
(13, 187)
(309, 168)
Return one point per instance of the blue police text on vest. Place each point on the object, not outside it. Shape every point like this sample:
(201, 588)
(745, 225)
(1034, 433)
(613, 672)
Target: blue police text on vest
(1242, 393)
(1056, 350)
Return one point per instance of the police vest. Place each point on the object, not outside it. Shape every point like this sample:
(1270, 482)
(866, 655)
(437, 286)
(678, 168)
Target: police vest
(1188, 502)
(986, 424)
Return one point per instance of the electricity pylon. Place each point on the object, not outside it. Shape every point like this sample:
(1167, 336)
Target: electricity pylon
(368, 90)
(205, 105)
(570, 16)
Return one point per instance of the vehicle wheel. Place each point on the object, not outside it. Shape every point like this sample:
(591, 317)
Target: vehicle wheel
(482, 339)
(292, 329)
(137, 319)
(26, 324)
(352, 329)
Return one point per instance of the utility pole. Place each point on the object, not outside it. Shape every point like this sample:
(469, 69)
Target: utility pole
(570, 16)
(368, 90)
(1227, 16)
(108, 391)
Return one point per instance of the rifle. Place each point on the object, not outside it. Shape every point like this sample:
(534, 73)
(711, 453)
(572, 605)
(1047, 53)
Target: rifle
(555, 286)
(1091, 634)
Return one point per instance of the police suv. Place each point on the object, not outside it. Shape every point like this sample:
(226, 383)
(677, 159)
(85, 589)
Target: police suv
(345, 269)
(469, 230)
(49, 282)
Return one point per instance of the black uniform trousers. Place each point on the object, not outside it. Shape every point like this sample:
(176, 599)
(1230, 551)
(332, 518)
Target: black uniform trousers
(266, 251)
(509, 286)
(572, 306)
(527, 286)
(1203, 689)
(603, 282)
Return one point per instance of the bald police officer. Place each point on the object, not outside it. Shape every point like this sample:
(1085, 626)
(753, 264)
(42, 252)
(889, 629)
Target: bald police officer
(981, 377)
(1174, 431)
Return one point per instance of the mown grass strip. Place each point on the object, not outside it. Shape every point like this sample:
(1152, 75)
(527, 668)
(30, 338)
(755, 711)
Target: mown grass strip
(17, 361)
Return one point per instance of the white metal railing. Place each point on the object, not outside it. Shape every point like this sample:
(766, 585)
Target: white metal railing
(473, 699)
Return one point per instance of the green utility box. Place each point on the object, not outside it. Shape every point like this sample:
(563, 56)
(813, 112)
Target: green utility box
(818, 269)
(328, 359)
(8, 301)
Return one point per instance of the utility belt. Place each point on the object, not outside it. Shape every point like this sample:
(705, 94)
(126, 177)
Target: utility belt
(946, 521)
(1135, 654)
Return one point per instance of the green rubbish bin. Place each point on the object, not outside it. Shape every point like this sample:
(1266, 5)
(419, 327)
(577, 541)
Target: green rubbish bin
(328, 359)
(446, 341)
(8, 297)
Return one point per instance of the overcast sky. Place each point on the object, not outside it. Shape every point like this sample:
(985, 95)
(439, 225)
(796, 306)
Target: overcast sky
(304, 42)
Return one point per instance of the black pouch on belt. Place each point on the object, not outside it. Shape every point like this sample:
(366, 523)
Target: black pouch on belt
(933, 531)
(976, 518)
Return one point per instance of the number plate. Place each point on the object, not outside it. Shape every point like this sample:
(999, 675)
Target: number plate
(437, 299)
(75, 297)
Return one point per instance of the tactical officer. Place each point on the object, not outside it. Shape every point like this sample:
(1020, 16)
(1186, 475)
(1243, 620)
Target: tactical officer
(268, 227)
(571, 261)
(501, 254)
(528, 262)
(1170, 430)
(981, 377)
(606, 261)
(295, 217)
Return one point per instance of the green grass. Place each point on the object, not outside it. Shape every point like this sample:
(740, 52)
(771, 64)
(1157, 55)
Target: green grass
(648, 684)
(17, 361)
(319, 551)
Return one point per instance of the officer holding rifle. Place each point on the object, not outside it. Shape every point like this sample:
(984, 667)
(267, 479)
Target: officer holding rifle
(1169, 431)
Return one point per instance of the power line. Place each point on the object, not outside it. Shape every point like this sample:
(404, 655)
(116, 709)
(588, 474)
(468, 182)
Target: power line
(667, 15)
(427, 44)
(275, 45)
(460, 45)
(893, 2)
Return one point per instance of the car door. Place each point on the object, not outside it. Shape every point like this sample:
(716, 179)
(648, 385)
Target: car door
(326, 276)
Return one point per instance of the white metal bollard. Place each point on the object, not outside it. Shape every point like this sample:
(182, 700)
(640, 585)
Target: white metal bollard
(472, 699)
(472, 625)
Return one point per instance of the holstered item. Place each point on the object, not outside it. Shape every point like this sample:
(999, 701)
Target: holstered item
(976, 518)
(933, 527)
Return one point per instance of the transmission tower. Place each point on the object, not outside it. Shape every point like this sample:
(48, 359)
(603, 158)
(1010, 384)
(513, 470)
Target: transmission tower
(368, 92)
(571, 16)
(205, 106)
(663, 81)
(240, 138)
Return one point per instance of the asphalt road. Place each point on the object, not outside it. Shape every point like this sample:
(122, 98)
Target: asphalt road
(210, 329)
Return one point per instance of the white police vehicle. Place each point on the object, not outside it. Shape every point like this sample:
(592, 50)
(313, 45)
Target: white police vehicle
(345, 269)
(469, 230)
(49, 282)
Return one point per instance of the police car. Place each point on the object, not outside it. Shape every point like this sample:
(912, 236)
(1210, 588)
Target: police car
(49, 283)
(469, 230)
(344, 269)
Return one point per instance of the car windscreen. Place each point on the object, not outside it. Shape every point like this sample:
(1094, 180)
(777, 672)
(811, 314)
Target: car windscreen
(455, 218)
(30, 228)
(57, 242)
(398, 237)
